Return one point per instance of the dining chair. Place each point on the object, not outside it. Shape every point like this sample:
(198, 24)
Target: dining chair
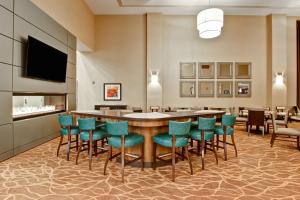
(154, 108)
(91, 135)
(226, 129)
(120, 138)
(256, 118)
(177, 137)
(288, 133)
(279, 122)
(203, 134)
(67, 128)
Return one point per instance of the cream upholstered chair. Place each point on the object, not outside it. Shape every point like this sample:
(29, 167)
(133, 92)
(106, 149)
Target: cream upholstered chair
(279, 122)
(288, 132)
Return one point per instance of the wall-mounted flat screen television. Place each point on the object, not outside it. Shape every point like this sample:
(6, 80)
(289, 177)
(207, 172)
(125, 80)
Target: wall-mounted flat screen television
(45, 62)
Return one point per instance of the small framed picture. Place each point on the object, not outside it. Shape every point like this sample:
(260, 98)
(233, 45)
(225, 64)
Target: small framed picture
(187, 70)
(243, 89)
(243, 70)
(206, 89)
(112, 91)
(206, 70)
(224, 89)
(188, 89)
(224, 70)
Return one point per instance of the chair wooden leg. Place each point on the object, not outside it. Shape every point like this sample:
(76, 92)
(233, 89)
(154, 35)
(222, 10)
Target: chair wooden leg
(107, 159)
(142, 156)
(273, 139)
(263, 132)
(68, 147)
(79, 150)
(218, 140)
(90, 154)
(202, 153)
(173, 162)
(214, 150)
(123, 157)
(154, 156)
(76, 142)
(198, 148)
(59, 144)
(189, 159)
(234, 145)
(298, 142)
(225, 147)
(205, 146)
(268, 128)
(96, 148)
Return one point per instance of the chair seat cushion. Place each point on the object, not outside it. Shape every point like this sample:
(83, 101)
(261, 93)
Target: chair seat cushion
(97, 135)
(220, 131)
(130, 140)
(279, 122)
(64, 131)
(196, 135)
(288, 131)
(166, 140)
(195, 123)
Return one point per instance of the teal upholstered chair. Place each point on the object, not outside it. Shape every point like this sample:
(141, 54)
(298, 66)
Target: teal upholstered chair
(226, 129)
(120, 138)
(67, 129)
(90, 135)
(177, 137)
(204, 133)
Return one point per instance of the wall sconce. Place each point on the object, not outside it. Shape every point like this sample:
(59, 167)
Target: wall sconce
(279, 80)
(154, 77)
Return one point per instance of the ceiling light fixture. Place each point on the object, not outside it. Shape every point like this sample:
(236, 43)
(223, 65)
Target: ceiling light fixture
(210, 22)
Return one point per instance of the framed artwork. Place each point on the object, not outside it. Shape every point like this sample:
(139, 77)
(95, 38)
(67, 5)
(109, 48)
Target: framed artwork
(187, 88)
(188, 70)
(206, 89)
(243, 89)
(112, 91)
(224, 70)
(206, 70)
(224, 89)
(243, 70)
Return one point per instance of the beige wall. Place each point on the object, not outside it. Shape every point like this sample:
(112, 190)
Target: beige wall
(124, 53)
(75, 16)
(120, 57)
(243, 39)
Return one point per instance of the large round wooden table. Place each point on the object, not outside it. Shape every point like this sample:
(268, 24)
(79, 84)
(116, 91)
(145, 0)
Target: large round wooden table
(147, 124)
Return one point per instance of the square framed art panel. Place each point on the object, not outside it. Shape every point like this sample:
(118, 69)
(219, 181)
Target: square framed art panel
(206, 89)
(187, 88)
(187, 70)
(112, 91)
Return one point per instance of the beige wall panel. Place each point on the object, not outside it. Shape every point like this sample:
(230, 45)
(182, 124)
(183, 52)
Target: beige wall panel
(19, 54)
(71, 85)
(6, 135)
(22, 84)
(6, 22)
(5, 77)
(71, 102)
(71, 56)
(5, 107)
(181, 43)
(34, 15)
(36, 128)
(71, 70)
(23, 29)
(72, 41)
(7, 4)
(6, 49)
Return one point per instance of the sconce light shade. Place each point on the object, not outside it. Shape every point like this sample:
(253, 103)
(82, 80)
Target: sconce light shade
(279, 79)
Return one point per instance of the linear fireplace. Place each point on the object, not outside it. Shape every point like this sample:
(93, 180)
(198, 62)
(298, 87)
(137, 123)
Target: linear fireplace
(29, 105)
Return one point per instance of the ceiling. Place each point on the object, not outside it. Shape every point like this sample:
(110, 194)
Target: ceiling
(191, 7)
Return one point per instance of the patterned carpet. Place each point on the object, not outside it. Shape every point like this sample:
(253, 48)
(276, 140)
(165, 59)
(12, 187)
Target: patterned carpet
(259, 172)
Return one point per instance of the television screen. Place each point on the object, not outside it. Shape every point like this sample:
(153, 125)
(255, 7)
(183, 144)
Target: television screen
(45, 62)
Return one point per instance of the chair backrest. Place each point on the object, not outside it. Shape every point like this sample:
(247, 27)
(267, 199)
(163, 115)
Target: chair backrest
(179, 128)
(117, 128)
(256, 117)
(206, 124)
(228, 120)
(65, 120)
(87, 124)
